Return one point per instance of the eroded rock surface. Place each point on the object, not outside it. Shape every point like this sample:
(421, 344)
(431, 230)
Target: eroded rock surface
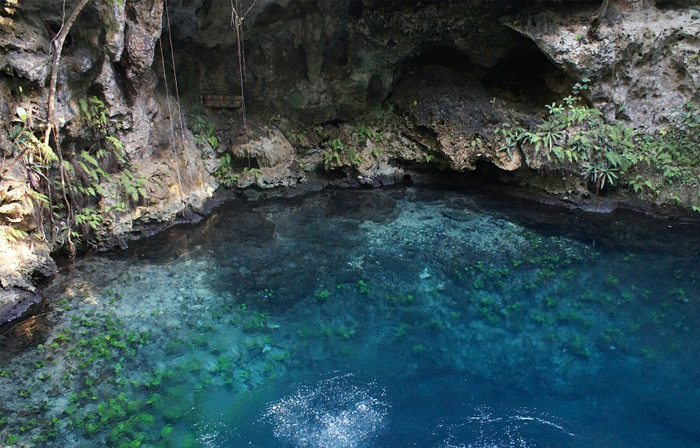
(329, 60)
(642, 62)
(109, 56)
(454, 115)
(273, 156)
(21, 263)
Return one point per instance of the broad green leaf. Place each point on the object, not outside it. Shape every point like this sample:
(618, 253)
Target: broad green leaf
(22, 113)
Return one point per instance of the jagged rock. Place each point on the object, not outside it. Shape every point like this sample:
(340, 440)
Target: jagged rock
(25, 50)
(642, 62)
(114, 19)
(142, 30)
(329, 60)
(108, 55)
(376, 168)
(21, 263)
(108, 83)
(269, 151)
(22, 260)
(34, 67)
(177, 173)
(14, 302)
(453, 115)
(16, 206)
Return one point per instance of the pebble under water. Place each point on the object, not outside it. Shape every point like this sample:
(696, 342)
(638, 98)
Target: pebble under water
(372, 318)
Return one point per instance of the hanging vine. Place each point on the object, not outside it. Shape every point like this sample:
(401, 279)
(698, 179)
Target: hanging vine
(51, 126)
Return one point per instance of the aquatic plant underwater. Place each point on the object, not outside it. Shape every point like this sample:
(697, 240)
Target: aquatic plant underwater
(383, 318)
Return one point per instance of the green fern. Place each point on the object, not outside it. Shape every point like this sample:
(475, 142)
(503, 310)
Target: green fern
(13, 235)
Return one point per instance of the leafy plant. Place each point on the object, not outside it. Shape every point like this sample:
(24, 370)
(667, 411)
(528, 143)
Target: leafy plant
(13, 235)
(330, 156)
(204, 131)
(575, 138)
(323, 294)
(225, 172)
(365, 132)
(255, 172)
(419, 348)
(67, 186)
(363, 287)
(94, 113)
(337, 153)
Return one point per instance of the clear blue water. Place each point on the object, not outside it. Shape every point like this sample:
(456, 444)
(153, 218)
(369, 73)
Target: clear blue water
(382, 318)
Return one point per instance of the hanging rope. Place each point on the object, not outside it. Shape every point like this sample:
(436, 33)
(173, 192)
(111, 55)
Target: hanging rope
(173, 139)
(167, 91)
(172, 59)
(177, 101)
(237, 24)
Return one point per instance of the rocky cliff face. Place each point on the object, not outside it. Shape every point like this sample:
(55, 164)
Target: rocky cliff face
(448, 72)
(642, 60)
(365, 91)
(108, 57)
(448, 68)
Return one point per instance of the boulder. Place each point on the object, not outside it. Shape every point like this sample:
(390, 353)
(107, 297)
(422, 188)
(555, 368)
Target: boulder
(273, 155)
(22, 262)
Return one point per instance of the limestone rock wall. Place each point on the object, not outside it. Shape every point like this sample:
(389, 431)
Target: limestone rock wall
(108, 55)
(445, 72)
(642, 60)
(328, 59)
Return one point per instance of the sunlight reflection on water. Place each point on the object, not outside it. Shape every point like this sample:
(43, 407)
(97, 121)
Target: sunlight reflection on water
(334, 413)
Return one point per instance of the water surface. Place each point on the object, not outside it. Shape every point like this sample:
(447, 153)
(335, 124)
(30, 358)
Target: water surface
(382, 318)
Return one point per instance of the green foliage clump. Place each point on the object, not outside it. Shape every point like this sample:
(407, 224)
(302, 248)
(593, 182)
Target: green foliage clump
(338, 154)
(323, 294)
(575, 138)
(363, 287)
(76, 189)
(332, 153)
(669, 157)
(204, 131)
(225, 172)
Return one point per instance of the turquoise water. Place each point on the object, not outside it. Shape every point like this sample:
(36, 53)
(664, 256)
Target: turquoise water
(382, 318)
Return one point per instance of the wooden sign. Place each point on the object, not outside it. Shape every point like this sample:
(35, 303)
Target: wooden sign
(223, 101)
